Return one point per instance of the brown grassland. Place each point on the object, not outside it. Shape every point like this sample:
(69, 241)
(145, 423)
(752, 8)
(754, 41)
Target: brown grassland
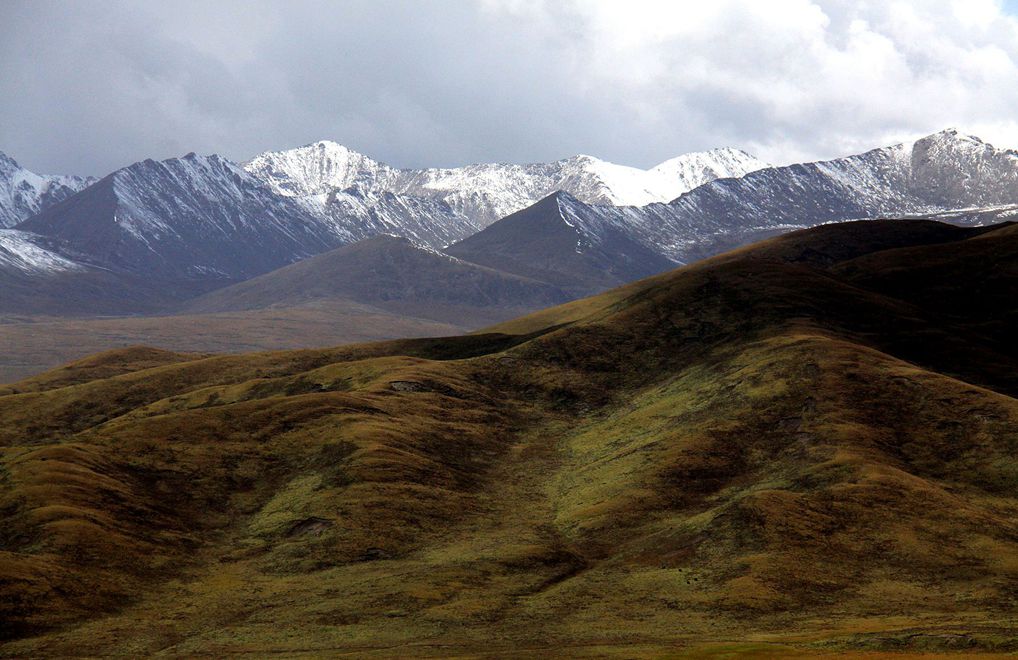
(33, 344)
(805, 447)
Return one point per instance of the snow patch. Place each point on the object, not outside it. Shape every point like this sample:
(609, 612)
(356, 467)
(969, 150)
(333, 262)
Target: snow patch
(19, 251)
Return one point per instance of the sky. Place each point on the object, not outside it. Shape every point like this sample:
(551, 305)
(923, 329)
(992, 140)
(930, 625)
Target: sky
(87, 87)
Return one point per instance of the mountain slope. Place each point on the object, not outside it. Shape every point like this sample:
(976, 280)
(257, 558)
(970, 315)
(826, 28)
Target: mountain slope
(27, 254)
(794, 448)
(40, 275)
(391, 273)
(194, 217)
(24, 193)
(580, 248)
(363, 215)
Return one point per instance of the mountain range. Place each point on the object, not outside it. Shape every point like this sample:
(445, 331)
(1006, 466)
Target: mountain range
(161, 237)
(485, 193)
(943, 171)
(804, 447)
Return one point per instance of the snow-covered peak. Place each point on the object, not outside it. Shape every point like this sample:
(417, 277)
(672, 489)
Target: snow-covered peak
(193, 192)
(24, 193)
(683, 173)
(316, 168)
(191, 216)
(952, 141)
(951, 168)
(485, 192)
(955, 136)
(597, 181)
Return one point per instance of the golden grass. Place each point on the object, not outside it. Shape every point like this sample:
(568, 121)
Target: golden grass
(668, 476)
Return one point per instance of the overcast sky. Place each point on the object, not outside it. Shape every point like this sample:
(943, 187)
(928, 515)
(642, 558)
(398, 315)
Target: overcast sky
(86, 87)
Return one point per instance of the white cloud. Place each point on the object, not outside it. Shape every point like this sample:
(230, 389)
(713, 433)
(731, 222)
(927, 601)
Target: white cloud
(90, 86)
(809, 79)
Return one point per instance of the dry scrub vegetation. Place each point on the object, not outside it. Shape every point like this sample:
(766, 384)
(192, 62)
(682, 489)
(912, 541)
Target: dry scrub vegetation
(805, 447)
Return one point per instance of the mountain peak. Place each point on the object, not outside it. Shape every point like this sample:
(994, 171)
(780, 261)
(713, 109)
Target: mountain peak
(951, 168)
(320, 148)
(8, 163)
(186, 166)
(582, 158)
(718, 163)
(561, 196)
(331, 145)
(710, 154)
(953, 134)
(24, 193)
(314, 169)
(958, 138)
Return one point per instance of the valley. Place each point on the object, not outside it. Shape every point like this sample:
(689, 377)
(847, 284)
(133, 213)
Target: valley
(289, 249)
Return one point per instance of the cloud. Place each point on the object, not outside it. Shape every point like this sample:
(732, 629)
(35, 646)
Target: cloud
(89, 87)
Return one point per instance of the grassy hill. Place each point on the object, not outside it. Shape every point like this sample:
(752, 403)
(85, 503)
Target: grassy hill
(393, 274)
(806, 447)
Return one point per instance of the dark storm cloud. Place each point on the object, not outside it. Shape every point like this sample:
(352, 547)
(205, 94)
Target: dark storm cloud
(88, 87)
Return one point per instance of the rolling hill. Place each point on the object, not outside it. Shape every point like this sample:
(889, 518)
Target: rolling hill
(805, 446)
(391, 273)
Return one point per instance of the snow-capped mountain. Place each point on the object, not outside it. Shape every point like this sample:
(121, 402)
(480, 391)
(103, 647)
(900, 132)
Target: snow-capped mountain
(949, 169)
(725, 212)
(484, 193)
(194, 217)
(319, 169)
(930, 177)
(24, 193)
(365, 197)
(210, 221)
(943, 171)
